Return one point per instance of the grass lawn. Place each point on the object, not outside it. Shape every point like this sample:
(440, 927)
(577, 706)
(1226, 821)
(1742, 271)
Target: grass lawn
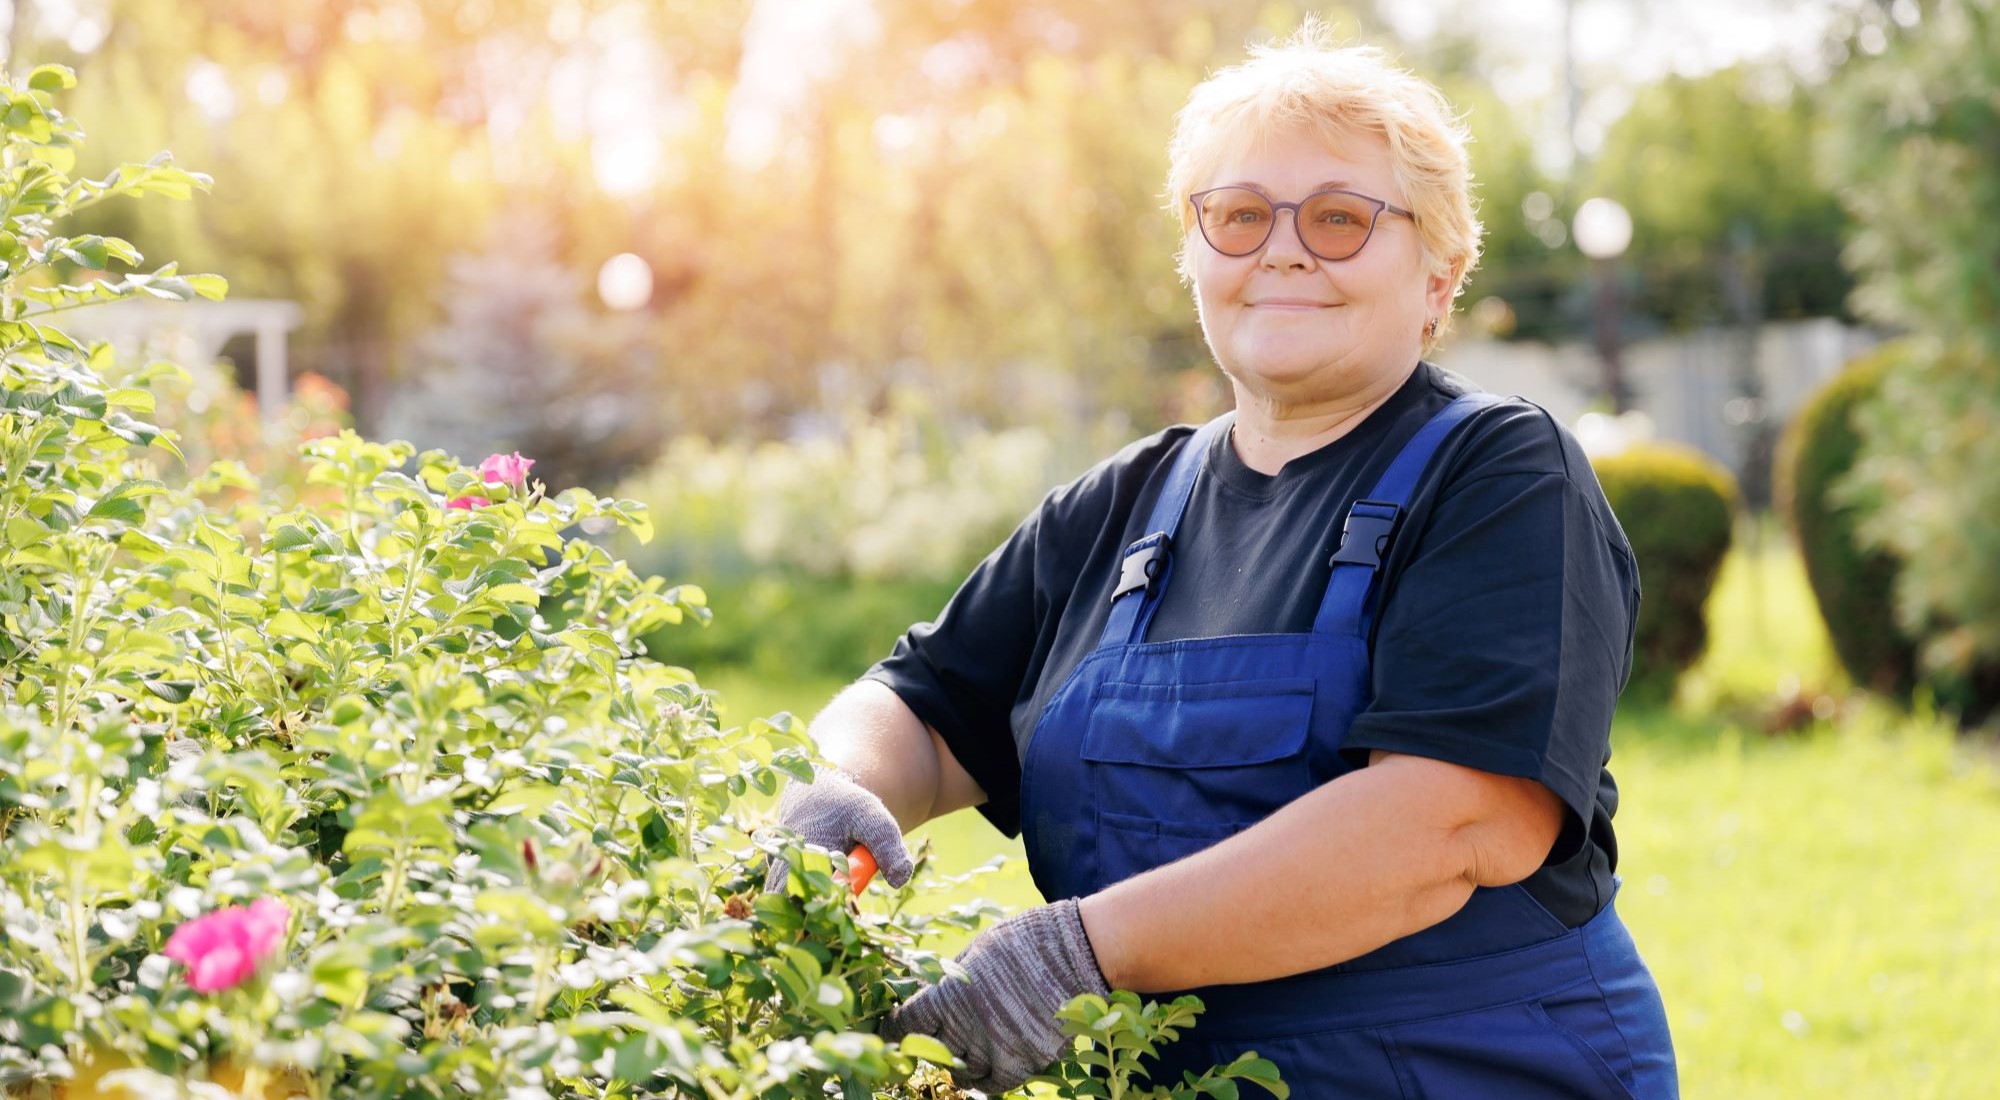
(1821, 908)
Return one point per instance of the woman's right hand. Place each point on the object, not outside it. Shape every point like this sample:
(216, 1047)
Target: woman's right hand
(835, 811)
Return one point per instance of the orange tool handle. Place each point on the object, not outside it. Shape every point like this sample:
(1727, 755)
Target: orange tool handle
(860, 867)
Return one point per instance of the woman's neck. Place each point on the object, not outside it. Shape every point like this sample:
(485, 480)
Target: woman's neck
(1271, 430)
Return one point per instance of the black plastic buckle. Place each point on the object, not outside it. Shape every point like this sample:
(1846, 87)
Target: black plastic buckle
(1364, 538)
(1142, 565)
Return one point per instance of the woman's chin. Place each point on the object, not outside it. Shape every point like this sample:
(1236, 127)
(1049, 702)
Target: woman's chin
(1277, 372)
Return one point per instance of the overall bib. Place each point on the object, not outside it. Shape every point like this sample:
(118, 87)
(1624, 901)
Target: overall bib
(1151, 751)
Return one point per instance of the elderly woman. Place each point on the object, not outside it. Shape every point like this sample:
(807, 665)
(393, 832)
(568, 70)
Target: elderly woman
(1305, 711)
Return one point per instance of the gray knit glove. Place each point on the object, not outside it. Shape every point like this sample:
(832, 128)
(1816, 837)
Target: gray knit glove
(835, 811)
(999, 1017)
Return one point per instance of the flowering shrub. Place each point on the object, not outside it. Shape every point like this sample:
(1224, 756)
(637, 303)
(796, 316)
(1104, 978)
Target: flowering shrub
(225, 947)
(368, 795)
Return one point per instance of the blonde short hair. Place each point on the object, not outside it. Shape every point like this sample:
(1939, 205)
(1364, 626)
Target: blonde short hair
(1335, 91)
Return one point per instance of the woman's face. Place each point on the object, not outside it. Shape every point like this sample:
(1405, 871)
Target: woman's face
(1289, 326)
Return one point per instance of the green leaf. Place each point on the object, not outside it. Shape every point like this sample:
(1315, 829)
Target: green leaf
(225, 545)
(213, 287)
(512, 593)
(288, 538)
(173, 691)
(161, 178)
(137, 400)
(52, 78)
(918, 1045)
(24, 531)
(87, 252)
(120, 509)
(324, 600)
(1252, 1068)
(790, 981)
(290, 624)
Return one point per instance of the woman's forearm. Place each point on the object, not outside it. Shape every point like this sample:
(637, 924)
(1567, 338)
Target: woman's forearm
(1371, 857)
(871, 732)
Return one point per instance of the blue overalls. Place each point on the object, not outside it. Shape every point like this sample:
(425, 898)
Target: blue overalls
(1151, 751)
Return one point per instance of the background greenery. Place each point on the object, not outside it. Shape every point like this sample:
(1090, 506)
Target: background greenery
(967, 199)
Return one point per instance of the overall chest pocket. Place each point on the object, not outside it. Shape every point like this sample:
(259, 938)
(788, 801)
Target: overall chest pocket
(1176, 767)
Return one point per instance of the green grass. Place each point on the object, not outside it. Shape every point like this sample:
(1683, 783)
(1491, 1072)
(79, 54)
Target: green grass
(1818, 907)
(1818, 910)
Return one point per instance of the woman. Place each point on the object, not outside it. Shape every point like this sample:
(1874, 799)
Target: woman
(1305, 711)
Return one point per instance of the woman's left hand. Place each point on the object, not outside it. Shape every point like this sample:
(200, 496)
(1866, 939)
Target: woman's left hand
(1000, 1016)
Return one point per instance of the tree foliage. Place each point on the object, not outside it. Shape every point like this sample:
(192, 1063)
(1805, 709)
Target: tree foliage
(1715, 170)
(1917, 160)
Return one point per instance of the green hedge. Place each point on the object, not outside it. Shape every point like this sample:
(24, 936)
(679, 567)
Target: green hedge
(1854, 586)
(1858, 577)
(1677, 507)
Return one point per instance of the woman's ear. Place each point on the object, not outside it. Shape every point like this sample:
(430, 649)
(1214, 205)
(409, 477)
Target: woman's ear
(1439, 287)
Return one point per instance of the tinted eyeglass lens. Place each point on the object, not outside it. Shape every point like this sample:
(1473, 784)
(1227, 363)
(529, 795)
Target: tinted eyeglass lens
(1236, 221)
(1335, 226)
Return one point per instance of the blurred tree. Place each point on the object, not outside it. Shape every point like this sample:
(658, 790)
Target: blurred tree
(360, 142)
(334, 148)
(1916, 156)
(1701, 162)
(522, 361)
(1521, 287)
(966, 194)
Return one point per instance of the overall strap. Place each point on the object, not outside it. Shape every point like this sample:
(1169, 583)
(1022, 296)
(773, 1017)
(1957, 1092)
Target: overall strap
(1143, 571)
(1372, 522)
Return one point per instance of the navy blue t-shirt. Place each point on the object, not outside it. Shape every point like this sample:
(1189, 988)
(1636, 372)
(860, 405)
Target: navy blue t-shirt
(1503, 636)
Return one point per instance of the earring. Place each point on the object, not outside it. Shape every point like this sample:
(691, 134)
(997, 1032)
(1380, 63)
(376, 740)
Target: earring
(1431, 329)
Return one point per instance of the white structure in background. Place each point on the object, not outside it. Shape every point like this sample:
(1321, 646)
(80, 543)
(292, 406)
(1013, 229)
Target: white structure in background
(194, 332)
(1682, 386)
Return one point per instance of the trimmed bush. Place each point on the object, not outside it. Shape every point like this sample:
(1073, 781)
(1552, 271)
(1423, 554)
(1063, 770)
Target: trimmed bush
(1854, 586)
(1677, 506)
(1887, 475)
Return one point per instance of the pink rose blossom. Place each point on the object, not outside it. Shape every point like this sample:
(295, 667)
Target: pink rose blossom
(506, 469)
(467, 502)
(222, 949)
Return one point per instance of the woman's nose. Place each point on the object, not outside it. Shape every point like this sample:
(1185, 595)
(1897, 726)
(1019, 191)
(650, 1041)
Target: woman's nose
(1285, 247)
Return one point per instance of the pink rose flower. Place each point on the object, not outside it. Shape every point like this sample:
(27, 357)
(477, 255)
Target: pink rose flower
(467, 503)
(223, 949)
(506, 469)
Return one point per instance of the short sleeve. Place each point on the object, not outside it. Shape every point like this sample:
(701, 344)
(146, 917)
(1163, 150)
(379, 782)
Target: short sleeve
(1505, 640)
(961, 672)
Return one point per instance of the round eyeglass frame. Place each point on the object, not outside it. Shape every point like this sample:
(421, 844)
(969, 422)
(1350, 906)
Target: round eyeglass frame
(1379, 204)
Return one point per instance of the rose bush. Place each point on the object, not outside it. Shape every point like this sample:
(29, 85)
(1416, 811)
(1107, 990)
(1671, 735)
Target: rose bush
(364, 793)
(225, 947)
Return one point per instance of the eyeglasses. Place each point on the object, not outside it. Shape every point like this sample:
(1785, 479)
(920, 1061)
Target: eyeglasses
(1332, 225)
